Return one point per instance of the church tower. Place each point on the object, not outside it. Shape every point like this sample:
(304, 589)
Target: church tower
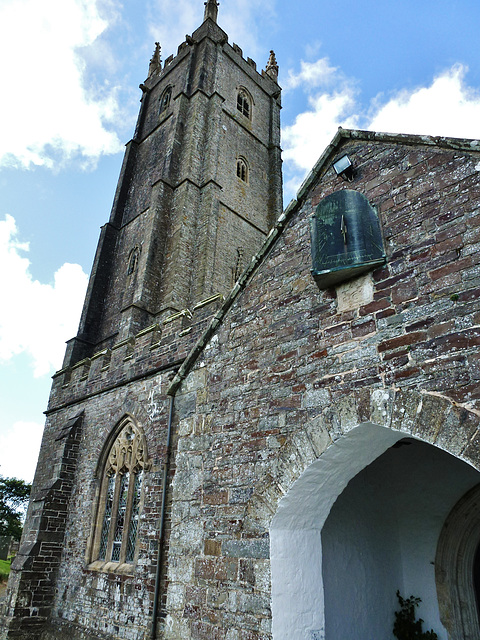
(199, 189)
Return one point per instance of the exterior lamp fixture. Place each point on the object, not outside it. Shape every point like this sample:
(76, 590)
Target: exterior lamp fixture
(344, 168)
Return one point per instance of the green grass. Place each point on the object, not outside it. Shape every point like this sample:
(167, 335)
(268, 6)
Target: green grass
(4, 570)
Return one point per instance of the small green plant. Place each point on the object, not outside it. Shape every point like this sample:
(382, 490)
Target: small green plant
(406, 627)
(454, 297)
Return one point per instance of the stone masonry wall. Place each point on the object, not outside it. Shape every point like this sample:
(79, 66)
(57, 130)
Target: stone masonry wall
(34, 571)
(86, 403)
(116, 604)
(292, 368)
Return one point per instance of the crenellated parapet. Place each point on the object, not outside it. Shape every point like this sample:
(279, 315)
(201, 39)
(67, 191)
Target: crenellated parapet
(160, 346)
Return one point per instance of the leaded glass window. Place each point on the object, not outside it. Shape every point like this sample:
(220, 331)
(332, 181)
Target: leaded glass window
(243, 103)
(120, 519)
(132, 533)
(242, 170)
(107, 517)
(120, 499)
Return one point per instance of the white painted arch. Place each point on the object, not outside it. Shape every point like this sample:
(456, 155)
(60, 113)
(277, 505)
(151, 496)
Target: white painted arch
(313, 563)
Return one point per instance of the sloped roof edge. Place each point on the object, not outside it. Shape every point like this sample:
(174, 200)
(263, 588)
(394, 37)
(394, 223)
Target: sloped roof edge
(460, 144)
(240, 285)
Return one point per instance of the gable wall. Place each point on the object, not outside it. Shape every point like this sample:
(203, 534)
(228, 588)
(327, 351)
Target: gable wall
(287, 366)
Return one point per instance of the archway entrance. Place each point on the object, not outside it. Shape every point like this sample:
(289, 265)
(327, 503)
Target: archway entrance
(476, 577)
(360, 523)
(457, 568)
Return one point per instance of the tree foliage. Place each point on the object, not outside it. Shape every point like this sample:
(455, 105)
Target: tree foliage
(406, 627)
(14, 495)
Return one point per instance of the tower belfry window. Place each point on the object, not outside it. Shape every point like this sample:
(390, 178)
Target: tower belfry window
(165, 99)
(242, 170)
(120, 497)
(243, 104)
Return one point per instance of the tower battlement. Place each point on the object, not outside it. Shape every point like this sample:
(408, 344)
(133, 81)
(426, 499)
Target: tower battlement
(160, 347)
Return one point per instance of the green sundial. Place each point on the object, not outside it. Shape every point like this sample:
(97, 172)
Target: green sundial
(346, 238)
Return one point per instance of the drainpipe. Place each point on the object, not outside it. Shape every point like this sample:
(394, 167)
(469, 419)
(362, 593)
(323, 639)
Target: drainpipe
(161, 536)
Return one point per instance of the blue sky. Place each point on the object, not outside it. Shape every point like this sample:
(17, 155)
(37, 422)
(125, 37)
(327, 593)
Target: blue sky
(70, 74)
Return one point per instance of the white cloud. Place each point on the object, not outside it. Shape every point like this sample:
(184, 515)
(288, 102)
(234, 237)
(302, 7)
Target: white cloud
(447, 107)
(314, 129)
(311, 75)
(36, 318)
(312, 48)
(331, 101)
(19, 447)
(243, 22)
(46, 114)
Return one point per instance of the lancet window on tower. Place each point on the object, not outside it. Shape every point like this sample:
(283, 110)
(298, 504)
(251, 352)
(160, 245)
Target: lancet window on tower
(242, 169)
(120, 497)
(244, 104)
(237, 271)
(133, 261)
(165, 99)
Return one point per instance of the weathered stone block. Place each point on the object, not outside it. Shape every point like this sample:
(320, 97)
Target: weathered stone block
(248, 548)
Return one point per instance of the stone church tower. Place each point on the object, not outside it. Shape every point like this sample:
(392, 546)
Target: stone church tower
(200, 187)
(199, 190)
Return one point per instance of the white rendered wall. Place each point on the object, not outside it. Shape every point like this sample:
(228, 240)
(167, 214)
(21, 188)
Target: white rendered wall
(300, 517)
(362, 566)
(298, 600)
(380, 536)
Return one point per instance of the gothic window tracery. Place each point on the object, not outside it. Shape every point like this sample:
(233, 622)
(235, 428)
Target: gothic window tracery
(244, 103)
(121, 497)
(165, 99)
(242, 169)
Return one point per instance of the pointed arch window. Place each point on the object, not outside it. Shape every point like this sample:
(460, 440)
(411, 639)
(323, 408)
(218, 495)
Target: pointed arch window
(165, 99)
(244, 103)
(120, 499)
(242, 169)
(133, 261)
